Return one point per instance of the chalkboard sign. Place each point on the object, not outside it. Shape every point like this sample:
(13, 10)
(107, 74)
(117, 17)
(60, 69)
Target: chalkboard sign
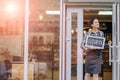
(94, 41)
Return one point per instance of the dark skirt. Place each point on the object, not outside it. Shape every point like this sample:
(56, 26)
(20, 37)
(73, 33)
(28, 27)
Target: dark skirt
(93, 63)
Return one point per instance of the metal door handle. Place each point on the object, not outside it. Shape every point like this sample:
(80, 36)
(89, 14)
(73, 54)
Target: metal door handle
(110, 54)
(118, 55)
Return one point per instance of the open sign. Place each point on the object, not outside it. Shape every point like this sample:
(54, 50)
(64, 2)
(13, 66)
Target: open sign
(94, 41)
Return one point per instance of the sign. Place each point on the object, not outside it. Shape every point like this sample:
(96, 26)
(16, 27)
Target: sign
(94, 41)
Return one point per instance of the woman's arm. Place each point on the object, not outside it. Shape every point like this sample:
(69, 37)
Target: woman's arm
(83, 42)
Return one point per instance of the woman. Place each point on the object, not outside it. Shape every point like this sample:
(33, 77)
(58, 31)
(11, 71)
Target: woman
(93, 55)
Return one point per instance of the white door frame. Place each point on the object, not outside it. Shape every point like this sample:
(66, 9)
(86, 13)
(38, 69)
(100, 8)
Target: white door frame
(118, 26)
(116, 42)
(26, 30)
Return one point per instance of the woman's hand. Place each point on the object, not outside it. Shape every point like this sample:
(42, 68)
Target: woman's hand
(109, 42)
(93, 48)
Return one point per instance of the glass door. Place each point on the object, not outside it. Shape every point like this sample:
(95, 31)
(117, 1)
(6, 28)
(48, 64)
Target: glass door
(43, 40)
(74, 59)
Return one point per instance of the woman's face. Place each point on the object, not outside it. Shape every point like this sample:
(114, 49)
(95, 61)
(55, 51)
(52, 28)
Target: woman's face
(95, 24)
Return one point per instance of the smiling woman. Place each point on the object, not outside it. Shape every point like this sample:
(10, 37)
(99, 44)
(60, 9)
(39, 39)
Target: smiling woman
(93, 54)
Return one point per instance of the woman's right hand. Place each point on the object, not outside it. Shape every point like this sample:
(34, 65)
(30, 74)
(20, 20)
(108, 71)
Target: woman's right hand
(93, 48)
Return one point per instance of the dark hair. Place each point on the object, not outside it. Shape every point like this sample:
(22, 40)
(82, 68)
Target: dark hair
(92, 20)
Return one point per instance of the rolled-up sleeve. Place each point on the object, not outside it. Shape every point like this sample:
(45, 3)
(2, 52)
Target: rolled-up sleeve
(83, 42)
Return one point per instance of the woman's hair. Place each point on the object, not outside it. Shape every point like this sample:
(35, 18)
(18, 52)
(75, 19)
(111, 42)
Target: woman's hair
(92, 20)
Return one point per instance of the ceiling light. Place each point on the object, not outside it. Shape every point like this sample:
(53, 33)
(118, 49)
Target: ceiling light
(52, 12)
(41, 17)
(84, 31)
(72, 31)
(11, 8)
(105, 13)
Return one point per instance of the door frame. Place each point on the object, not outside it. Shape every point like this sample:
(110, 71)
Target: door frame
(64, 7)
(116, 43)
(26, 40)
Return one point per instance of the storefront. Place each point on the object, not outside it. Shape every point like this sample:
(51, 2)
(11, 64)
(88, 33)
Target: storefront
(40, 39)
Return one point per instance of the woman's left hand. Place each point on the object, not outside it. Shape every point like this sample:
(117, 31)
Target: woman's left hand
(109, 42)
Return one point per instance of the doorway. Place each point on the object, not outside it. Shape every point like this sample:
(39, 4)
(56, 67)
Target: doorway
(76, 26)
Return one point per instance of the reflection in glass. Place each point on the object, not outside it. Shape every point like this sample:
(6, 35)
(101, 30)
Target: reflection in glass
(74, 46)
(43, 40)
(11, 39)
